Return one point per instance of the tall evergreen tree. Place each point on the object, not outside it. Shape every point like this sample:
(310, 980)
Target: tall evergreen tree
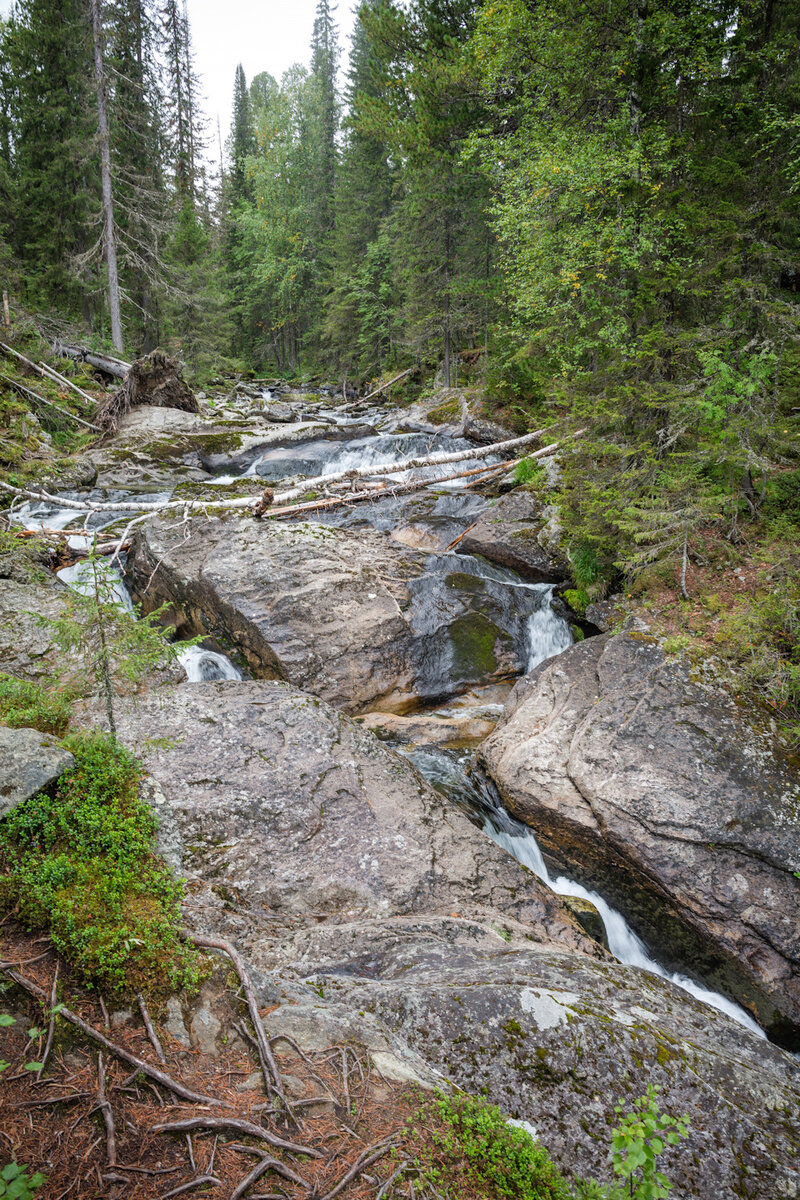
(360, 309)
(55, 180)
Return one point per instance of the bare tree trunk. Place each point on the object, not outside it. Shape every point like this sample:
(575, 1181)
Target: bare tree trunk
(109, 236)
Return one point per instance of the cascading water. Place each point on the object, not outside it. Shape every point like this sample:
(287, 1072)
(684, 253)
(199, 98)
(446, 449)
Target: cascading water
(548, 634)
(200, 665)
(204, 666)
(447, 772)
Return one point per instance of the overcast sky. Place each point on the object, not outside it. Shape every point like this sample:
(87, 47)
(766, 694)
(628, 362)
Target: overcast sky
(269, 35)
(262, 35)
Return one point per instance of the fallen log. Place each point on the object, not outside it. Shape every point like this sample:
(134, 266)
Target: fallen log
(39, 399)
(103, 362)
(147, 508)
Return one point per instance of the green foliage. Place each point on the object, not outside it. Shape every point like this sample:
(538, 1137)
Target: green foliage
(763, 638)
(783, 497)
(641, 1136)
(529, 470)
(81, 865)
(16, 1183)
(102, 638)
(26, 705)
(502, 1160)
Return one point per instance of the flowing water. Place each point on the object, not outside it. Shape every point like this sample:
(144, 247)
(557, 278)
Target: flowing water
(451, 588)
(200, 664)
(452, 774)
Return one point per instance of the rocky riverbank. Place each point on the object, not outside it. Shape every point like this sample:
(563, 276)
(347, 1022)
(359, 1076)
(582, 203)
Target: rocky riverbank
(370, 905)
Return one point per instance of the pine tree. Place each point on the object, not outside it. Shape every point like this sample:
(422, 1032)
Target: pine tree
(109, 230)
(243, 142)
(55, 179)
(359, 327)
(325, 115)
(427, 112)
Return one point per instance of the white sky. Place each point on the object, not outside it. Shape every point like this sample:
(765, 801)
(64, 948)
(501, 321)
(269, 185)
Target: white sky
(262, 35)
(269, 35)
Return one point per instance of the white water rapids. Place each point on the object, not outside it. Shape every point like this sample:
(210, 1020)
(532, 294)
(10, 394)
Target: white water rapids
(201, 665)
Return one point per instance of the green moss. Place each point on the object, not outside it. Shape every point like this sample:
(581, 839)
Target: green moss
(81, 865)
(446, 413)
(473, 638)
(460, 581)
(29, 706)
(577, 599)
(466, 1145)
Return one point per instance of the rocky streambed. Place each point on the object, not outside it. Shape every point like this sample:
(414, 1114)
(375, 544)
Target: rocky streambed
(371, 902)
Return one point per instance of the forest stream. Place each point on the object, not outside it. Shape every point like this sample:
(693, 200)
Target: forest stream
(435, 517)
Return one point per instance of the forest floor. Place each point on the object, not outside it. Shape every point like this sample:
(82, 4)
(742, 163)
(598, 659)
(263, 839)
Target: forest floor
(91, 1140)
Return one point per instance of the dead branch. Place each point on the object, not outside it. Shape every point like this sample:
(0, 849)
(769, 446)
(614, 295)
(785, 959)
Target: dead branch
(370, 1155)
(151, 1033)
(104, 1105)
(269, 1066)
(200, 1181)
(40, 399)
(267, 1163)
(146, 1069)
(384, 491)
(395, 1175)
(438, 458)
(64, 382)
(237, 1125)
(51, 1024)
(384, 386)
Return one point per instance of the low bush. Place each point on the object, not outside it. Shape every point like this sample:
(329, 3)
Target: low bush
(462, 1139)
(26, 705)
(81, 864)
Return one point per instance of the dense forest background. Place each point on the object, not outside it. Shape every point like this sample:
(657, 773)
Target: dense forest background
(586, 208)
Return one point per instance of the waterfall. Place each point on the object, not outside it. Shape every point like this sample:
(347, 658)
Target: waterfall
(474, 793)
(203, 666)
(548, 633)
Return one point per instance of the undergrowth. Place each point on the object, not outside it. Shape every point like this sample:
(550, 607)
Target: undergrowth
(26, 705)
(81, 865)
(463, 1143)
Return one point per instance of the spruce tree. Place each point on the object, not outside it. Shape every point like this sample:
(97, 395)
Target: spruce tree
(55, 180)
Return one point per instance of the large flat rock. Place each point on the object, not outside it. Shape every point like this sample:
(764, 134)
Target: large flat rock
(674, 801)
(290, 813)
(347, 614)
(557, 1039)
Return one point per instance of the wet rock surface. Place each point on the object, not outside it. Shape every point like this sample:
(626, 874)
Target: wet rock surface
(507, 534)
(557, 1039)
(291, 813)
(349, 615)
(660, 791)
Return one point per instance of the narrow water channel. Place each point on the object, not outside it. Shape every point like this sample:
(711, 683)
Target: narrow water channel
(430, 520)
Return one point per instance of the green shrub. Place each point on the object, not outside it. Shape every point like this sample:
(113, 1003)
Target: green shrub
(577, 599)
(528, 470)
(28, 706)
(783, 496)
(81, 865)
(503, 1160)
(16, 1182)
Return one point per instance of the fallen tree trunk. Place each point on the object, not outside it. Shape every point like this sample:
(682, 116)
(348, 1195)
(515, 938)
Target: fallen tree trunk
(147, 508)
(103, 362)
